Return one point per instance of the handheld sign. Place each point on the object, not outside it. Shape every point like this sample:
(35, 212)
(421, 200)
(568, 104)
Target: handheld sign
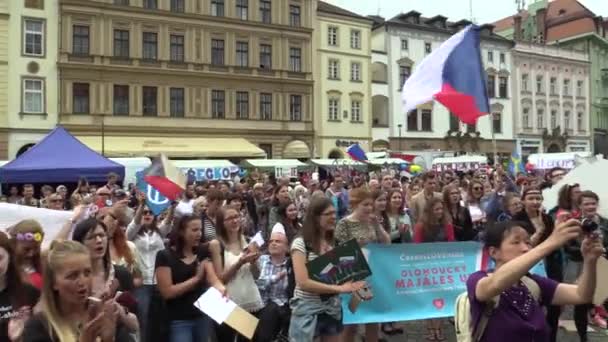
(340, 265)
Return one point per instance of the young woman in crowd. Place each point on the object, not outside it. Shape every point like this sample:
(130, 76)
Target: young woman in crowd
(363, 226)
(518, 315)
(302, 200)
(380, 206)
(122, 251)
(414, 188)
(567, 201)
(235, 201)
(183, 273)
(148, 236)
(215, 198)
(473, 204)
(280, 196)
(459, 215)
(288, 220)
(542, 225)
(235, 262)
(17, 298)
(68, 315)
(399, 221)
(435, 226)
(512, 205)
(316, 308)
(27, 237)
(106, 277)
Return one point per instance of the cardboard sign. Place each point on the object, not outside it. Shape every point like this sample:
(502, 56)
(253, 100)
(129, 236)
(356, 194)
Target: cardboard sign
(340, 265)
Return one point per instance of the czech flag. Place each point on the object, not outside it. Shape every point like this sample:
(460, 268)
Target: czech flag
(166, 178)
(356, 152)
(454, 76)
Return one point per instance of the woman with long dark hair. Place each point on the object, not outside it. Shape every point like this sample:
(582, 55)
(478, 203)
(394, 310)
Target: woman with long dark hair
(280, 196)
(459, 215)
(399, 221)
(316, 308)
(288, 220)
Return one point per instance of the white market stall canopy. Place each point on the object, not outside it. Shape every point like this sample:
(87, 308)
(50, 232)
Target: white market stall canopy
(202, 163)
(273, 163)
(388, 161)
(545, 161)
(460, 163)
(338, 163)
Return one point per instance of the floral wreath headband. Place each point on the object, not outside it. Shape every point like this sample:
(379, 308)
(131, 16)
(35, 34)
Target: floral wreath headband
(29, 237)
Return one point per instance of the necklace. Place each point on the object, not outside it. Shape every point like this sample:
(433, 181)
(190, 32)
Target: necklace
(520, 298)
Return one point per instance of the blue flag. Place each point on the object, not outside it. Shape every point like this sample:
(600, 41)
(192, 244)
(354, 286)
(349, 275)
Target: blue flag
(154, 199)
(515, 164)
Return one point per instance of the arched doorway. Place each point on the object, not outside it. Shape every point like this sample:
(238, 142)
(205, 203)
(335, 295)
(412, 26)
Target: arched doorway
(335, 154)
(553, 148)
(24, 149)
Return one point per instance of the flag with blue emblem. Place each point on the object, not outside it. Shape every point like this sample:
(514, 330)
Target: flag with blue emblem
(156, 202)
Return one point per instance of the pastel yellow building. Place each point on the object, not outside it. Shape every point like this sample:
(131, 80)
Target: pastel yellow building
(4, 17)
(342, 81)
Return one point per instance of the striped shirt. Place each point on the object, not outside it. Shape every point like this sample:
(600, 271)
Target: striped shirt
(209, 232)
(299, 245)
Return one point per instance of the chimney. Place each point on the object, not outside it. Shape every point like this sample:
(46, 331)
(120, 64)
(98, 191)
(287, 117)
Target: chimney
(517, 28)
(541, 31)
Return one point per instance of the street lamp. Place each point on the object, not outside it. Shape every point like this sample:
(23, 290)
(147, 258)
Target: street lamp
(399, 127)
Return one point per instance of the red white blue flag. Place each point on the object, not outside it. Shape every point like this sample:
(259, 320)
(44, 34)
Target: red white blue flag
(356, 152)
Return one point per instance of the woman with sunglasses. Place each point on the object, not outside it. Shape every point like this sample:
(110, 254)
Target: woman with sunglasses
(512, 205)
(473, 204)
(148, 236)
(460, 216)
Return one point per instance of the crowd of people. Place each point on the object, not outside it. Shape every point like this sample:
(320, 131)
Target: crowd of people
(118, 272)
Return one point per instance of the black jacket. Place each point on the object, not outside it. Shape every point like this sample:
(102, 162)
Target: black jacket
(463, 224)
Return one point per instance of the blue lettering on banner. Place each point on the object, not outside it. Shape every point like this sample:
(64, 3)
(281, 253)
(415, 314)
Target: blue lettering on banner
(210, 173)
(154, 199)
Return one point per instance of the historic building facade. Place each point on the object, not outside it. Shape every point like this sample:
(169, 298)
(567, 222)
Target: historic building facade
(402, 42)
(551, 99)
(342, 81)
(28, 73)
(183, 70)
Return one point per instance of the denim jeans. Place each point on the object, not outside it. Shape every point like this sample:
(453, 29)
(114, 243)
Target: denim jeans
(196, 330)
(143, 295)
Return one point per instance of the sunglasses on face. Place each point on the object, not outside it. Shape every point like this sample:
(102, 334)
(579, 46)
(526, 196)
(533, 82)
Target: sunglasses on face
(477, 189)
(147, 212)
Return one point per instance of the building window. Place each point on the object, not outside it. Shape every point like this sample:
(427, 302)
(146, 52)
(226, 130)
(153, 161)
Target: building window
(266, 106)
(426, 120)
(502, 87)
(150, 48)
(454, 123)
(491, 86)
(471, 128)
(242, 9)
(35, 4)
(121, 43)
(294, 15)
(121, 2)
(490, 56)
(502, 58)
(150, 4)
(332, 36)
(428, 48)
(265, 56)
(217, 52)
(176, 102)
(566, 87)
(177, 6)
(33, 37)
(553, 86)
(525, 118)
(80, 40)
(295, 108)
(539, 84)
(524, 82)
(355, 39)
(150, 101)
(404, 73)
(217, 8)
(334, 69)
(540, 118)
(242, 54)
(497, 123)
(412, 121)
(579, 88)
(334, 110)
(218, 104)
(566, 120)
(177, 48)
(355, 111)
(295, 59)
(33, 96)
(80, 98)
(266, 148)
(121, 99)
(579, 122)
(553, 119)
(242, 105)
(404, 44)
(355, 71)
(265, 11)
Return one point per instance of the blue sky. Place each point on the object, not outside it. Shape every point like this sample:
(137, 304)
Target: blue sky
(484, 11)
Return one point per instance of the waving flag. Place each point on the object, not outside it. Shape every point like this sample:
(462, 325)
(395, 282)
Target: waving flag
(515, 164)
(454, 76)
(163, 176)
(356, 152)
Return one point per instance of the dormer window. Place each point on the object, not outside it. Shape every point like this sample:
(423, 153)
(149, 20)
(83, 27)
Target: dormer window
(562, 12)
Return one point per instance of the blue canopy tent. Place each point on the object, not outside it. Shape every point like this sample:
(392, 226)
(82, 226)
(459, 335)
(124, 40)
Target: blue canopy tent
(59, 158)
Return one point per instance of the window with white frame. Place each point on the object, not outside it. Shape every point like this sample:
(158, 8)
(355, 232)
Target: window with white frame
(540, 118)
(355, 111)
(217, 8)
(404, 44)
(502, 58)
(33, 96)
(332, 36)
(295, 59)
(242, 9)
(490, 56)
(566, 87)
(566, 120)
(428, 48)
(579, 122)
(355, 71)
(579, 88)
(525, 118)
(33, 37)
(553, 119)
(242, 54)
(553, 86)
(333, 109)
(524, 82)
(539, 84)
(333, 69)
(355, 39)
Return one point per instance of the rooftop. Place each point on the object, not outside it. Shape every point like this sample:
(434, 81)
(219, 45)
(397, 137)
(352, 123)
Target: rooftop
(331, 9)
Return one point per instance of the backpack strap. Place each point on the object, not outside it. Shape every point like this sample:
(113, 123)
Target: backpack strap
(487, 312)
(532, 286)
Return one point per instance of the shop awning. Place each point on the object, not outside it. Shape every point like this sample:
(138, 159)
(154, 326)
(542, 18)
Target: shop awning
(296, 149)
(203, 163)
(272, 163)
(174, 147)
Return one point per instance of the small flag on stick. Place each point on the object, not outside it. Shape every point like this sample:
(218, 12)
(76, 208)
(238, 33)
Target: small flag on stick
(356, 152)
(165, 177)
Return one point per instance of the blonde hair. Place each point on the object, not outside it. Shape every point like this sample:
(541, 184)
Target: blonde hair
(58, 324)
